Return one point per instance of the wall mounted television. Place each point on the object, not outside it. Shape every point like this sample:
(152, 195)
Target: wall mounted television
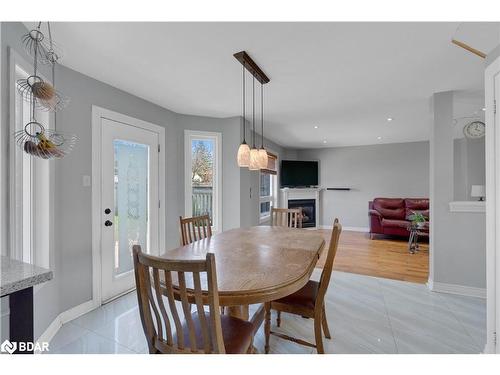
(298, 173)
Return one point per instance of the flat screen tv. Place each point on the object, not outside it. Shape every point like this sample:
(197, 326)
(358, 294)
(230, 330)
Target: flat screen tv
(297, 173)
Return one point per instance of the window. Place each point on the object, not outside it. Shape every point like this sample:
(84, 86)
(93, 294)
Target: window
(268, 188)
(31, 203)
(203, 176)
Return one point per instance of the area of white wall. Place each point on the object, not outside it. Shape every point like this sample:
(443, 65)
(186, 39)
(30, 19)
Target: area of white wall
(458, 240)
(386, 170)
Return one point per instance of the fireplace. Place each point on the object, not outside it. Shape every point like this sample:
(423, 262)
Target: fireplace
(308, 207)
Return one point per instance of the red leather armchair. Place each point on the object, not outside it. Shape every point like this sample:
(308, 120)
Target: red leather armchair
(390, 216)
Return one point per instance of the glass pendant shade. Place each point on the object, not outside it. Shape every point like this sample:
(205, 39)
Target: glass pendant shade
(244, 155)
(254, 160)
(263, 158)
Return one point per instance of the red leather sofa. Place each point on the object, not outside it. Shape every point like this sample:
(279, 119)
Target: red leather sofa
(390, 216)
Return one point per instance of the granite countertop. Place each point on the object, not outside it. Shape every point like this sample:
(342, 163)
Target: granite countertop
(16, 275)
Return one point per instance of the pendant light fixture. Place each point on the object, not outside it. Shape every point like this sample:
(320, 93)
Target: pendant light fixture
(254, 158)
(244, 149)
(254, 152)
(262, 150)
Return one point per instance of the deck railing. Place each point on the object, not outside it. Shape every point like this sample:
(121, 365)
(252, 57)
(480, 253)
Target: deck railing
(202, 200)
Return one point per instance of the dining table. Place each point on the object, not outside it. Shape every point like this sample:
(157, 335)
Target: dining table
(256, 265)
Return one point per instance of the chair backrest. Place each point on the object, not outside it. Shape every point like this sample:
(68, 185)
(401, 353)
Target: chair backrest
(159, 279)
(330, 257)
(195, 228)
(286, 217)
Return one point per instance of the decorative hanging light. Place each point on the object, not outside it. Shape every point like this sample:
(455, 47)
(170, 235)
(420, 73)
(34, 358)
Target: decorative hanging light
(262, 150)
(254, 153)
(253, 158)
(244, 149)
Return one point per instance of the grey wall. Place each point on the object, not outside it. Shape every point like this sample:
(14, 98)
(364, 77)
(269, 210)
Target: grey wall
(458, 240)
(387, 170)
(469, 166)
(250, 189)
(71, 253)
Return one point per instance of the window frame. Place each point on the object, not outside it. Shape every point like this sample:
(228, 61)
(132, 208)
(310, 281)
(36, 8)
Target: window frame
(273, 198)
(216, 137)
(42, 181)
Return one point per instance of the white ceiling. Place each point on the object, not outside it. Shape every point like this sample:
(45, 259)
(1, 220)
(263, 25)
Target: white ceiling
(345, 78)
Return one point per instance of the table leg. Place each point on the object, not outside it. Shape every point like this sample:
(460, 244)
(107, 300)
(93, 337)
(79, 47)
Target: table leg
(241, 312)
(21, 317)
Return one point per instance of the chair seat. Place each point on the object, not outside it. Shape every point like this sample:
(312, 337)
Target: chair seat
(304, 297)
(237, 333)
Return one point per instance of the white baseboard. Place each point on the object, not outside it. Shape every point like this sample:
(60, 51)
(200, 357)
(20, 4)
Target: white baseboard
(51, 331)
(65, 317)
(349, 229)
(462, 290)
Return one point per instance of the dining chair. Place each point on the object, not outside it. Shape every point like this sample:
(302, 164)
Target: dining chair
(195, 228)
(308, 302)
(286, 217)
(174, 330)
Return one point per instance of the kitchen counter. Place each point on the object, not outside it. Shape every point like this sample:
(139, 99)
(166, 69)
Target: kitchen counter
(17, 280)
(16, 275)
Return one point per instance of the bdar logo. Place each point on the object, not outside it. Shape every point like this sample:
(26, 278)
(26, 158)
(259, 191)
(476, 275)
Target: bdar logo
(8, 347)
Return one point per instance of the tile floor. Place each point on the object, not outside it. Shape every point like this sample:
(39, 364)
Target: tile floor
(365, 314)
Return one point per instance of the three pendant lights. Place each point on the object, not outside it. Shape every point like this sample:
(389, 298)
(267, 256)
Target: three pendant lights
(252, 158)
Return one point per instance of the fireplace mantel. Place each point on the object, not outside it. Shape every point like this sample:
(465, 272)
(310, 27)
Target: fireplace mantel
(287, 194)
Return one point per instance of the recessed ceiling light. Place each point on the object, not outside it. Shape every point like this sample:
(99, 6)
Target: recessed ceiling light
(315, 126)
(389, 119)
(324, 141)
(379, 138)
(483, 109)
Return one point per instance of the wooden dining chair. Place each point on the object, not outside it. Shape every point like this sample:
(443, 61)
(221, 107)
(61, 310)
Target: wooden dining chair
(286, 217)
(195, 228)
(185, 331)
(307, 302)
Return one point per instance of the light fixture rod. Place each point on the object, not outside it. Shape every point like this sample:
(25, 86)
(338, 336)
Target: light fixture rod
(262, 114)
(244, 109)
(253, 111)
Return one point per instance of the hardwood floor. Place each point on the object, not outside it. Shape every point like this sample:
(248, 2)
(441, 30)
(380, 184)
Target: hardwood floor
(381, 257)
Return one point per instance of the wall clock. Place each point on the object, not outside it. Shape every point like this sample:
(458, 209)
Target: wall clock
(475, 129)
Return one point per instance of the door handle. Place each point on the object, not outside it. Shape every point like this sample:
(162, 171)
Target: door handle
(108, 223)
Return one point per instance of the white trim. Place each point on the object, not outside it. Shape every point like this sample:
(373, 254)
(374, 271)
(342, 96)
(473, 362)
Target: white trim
(97, 114)
(457, 289)
(492, 141)
(468, 206)
(348, 229)
(63, 318)
(15, 251)
(217, 207)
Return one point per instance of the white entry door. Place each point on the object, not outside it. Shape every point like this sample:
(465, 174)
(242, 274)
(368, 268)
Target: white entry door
(130, 201)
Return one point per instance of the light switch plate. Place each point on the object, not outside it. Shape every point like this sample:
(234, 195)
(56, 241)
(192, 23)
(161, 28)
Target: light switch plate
(86, 181)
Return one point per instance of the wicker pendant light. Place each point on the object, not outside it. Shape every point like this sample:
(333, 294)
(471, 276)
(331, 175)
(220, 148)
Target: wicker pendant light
(244, 150)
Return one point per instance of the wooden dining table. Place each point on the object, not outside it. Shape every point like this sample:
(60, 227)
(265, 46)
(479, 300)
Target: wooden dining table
(256, 265)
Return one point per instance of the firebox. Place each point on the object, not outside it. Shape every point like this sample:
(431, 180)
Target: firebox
(308, 207)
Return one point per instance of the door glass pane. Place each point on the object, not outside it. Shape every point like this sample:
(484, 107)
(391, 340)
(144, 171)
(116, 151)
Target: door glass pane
(131, 216)
(202, 176)
(265, 185)
(265, 208)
